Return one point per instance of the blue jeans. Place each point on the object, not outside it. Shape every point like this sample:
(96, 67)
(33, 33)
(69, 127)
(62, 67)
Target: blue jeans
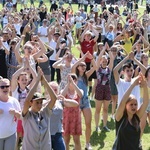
(58, 142)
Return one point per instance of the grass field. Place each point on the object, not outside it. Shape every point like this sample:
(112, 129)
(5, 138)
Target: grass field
(102, 140)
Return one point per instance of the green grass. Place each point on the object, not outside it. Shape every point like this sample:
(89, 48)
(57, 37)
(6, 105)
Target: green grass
(102, 140)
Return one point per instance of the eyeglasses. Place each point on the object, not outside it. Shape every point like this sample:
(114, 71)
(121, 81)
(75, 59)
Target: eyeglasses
(4, 86)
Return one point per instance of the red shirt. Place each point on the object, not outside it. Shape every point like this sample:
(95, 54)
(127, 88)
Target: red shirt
(87, 46)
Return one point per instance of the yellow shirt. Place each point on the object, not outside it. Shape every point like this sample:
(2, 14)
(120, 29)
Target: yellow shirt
(128, 44)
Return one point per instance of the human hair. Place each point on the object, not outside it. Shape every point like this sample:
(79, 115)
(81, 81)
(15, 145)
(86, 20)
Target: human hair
(127, 65)
(19, 89)
(142, 56)
(74, 76)
(146, 73)
(85, 79)
(135, 120)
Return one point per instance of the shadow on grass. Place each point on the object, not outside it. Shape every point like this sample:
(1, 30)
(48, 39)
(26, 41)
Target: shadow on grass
(98, 139)
(92, 103)
(147, 130)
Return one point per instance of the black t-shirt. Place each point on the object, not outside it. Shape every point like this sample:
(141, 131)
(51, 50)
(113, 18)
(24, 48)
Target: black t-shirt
(42, 15)
(128, 136)
(3, 67)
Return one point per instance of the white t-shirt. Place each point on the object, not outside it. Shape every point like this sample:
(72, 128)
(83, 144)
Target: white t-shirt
(21, 97)
(53, 44)
(17, 27)
(43, 32)
(8, 123)
(122, 86)
(78, 20)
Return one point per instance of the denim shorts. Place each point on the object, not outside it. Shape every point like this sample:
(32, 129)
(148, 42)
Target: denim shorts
(85, 103)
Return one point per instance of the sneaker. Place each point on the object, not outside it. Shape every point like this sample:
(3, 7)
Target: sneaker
(98, 129)
(113, 117)
(106, 129)
(88, 147)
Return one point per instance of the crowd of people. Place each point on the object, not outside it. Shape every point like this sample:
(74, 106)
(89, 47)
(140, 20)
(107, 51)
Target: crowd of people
(45, 85)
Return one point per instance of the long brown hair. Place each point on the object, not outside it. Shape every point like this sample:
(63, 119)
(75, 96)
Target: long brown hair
(135, 120)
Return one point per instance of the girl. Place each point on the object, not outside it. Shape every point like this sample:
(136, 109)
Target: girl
(65, 66)
(102, 91)
(128, 117)
(20, 86)
(11, 60)
(72, 116)
(80, 69)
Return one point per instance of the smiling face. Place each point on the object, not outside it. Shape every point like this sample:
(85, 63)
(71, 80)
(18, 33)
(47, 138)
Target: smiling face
(82, 67)
(87, 37)
(4, 87)
(23, 80)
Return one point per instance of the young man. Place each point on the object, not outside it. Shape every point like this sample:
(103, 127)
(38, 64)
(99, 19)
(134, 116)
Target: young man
(128, 71)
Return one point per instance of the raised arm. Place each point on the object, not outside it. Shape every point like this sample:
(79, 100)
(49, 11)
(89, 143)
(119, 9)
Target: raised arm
(145, 103)
(41, 51)
(116, 69)
(17, 54)
(14, 82)
(58, 63)
(120, 110)
(93, 68)
(50, 92)
(76, 88)
(142, 67)
(78, 62)
(111, 63)
(30, 95)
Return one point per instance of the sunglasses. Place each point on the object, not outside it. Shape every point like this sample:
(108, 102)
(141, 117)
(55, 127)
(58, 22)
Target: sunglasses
(4, 86)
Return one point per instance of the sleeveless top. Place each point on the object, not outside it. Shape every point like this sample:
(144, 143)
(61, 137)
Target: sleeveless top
(103, 76)
(128, 136)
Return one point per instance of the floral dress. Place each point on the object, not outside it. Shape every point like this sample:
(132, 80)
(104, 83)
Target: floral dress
(64, 73)
(72, 118)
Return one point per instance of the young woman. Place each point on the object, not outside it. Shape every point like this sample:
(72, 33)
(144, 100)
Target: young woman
(80, 69)
(11, 60)
(36, 119)
(20, 86)
(30, 52)
(56, 127)
(9, 112)
(128, 117)
(65, 66)
(72, 116)
(102, 90)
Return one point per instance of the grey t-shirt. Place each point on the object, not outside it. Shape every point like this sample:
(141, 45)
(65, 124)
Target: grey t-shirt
(56, 118)
(37, 130)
